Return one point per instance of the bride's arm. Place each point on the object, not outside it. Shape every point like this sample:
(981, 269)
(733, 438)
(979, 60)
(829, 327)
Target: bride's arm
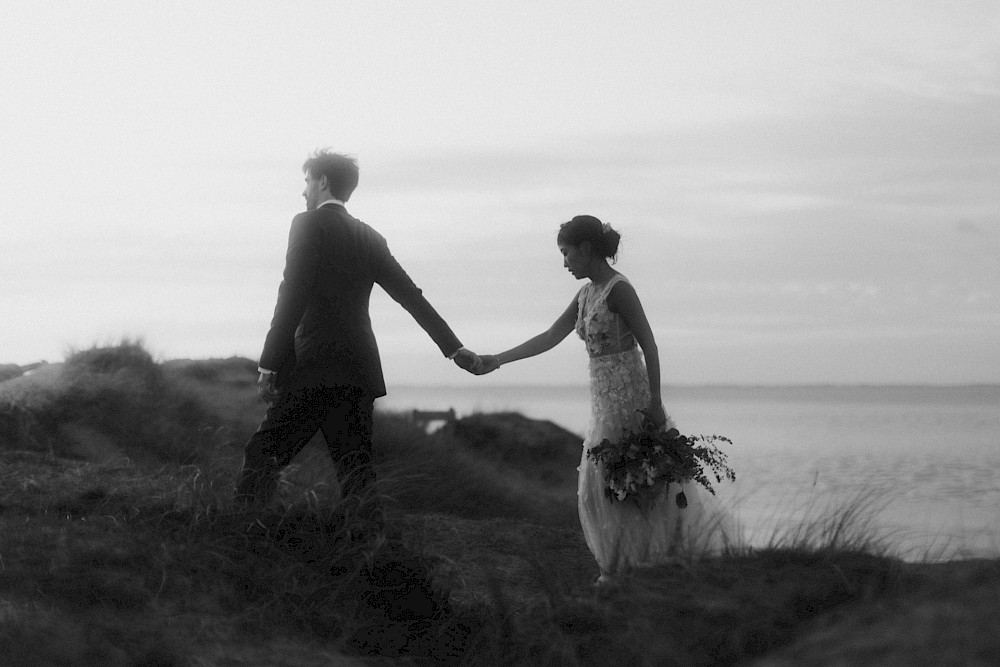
(624, 301)
(544, 341)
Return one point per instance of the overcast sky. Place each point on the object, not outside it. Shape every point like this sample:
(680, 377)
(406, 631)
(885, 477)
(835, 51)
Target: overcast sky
(808, 192)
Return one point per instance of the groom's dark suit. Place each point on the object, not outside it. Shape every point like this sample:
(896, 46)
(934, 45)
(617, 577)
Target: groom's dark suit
(322, 347)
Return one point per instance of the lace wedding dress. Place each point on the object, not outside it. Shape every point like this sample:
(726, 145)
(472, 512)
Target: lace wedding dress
(620, 535)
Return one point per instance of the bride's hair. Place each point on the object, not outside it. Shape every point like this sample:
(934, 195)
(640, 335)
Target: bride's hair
(603, 239)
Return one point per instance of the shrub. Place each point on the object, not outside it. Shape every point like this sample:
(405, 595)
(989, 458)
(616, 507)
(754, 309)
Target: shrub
(127, 358)
(513, 438)
(438, 473)
(232, 370)
(111, 402)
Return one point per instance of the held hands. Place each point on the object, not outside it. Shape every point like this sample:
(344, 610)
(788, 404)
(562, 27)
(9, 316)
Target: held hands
(490, 362)
(468, 360)
(473, 363)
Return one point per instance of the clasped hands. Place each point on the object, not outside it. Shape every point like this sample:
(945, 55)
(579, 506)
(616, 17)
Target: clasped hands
(475, 364)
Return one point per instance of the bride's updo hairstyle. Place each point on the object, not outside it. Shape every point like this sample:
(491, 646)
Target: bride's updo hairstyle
(603, 239)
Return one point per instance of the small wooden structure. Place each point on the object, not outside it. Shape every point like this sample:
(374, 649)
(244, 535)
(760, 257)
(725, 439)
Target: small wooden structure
(423, 418)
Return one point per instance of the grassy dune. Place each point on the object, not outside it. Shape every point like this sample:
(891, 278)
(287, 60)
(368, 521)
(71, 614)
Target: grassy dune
(119, 545)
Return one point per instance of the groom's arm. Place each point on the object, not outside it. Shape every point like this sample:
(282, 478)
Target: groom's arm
(398, 285)
(293, 295)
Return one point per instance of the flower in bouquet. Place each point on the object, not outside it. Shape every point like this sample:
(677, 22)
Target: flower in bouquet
(640, 465)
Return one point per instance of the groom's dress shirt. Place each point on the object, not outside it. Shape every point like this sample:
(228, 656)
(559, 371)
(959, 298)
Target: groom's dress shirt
(321, 332)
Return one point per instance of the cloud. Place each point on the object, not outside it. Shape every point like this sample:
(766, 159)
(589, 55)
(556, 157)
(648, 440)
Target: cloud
(777, 171)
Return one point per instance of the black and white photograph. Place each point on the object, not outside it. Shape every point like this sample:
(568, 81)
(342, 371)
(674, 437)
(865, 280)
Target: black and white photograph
(646, 333)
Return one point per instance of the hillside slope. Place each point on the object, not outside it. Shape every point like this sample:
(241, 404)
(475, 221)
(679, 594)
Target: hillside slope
(131, 553)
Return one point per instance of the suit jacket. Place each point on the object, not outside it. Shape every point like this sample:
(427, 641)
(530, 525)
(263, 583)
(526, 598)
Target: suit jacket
(321, 333)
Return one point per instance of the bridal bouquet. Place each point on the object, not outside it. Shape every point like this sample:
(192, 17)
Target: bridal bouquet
(640, 465)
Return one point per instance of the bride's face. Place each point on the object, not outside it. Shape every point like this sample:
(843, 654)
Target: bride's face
(576, 258)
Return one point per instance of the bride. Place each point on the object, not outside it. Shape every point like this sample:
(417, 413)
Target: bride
(624, 394)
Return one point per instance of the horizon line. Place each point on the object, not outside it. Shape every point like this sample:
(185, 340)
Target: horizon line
(720, 385)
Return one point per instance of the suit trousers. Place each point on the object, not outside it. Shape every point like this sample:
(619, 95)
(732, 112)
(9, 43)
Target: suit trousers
(345, 416)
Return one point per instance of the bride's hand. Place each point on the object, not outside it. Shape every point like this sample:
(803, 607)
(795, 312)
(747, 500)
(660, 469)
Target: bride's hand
(655, 416)
(490, 363)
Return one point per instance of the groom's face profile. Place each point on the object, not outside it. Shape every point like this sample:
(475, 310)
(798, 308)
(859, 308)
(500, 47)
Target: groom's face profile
(314, 190)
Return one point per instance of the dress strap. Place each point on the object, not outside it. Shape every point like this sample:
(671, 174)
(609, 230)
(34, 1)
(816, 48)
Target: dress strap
(615, 279)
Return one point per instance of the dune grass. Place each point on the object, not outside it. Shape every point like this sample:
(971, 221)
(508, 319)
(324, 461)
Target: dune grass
(138, 556)
(107, 403)
(158, 557)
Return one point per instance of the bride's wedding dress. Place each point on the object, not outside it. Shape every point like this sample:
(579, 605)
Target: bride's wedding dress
(620, 535)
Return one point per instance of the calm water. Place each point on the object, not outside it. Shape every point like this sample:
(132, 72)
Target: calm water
(928, 455)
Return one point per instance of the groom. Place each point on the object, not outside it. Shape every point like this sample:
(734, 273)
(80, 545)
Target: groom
(320, 368)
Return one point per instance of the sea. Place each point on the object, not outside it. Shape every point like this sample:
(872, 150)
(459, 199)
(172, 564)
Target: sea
(915, 467)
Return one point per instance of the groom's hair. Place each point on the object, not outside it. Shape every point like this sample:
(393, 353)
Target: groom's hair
(341, 171)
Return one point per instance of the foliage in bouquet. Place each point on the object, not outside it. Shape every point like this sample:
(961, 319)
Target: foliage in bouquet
(640, 465)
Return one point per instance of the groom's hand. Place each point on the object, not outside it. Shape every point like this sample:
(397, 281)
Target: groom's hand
(468, 360)
(267, 388)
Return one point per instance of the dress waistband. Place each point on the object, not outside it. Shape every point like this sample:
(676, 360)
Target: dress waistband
(611, 354)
